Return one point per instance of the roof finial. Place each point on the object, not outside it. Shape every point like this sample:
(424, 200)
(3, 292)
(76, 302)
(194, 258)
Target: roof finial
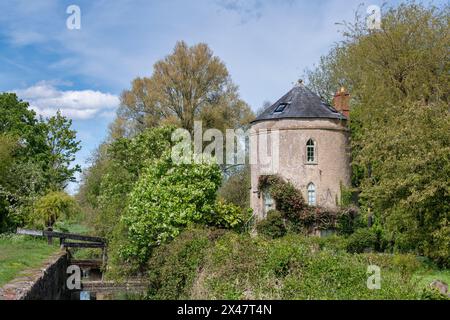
(299, 82)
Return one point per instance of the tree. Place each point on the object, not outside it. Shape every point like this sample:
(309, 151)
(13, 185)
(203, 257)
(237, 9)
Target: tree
(17, 120)
(35, 157)
(236, 189)
(166, 198)
(49, 208)
(62, 147)
(190, 84)
(399, 78)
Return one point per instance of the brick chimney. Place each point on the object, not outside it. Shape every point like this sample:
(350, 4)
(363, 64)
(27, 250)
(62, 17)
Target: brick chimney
(341, 102)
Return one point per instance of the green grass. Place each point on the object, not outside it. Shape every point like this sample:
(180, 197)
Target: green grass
(20, 253)
(427, 276)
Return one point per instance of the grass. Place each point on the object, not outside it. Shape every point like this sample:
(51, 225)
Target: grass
(20, 253)
(427, 276)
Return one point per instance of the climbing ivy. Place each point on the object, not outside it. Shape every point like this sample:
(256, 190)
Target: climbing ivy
(299, 215)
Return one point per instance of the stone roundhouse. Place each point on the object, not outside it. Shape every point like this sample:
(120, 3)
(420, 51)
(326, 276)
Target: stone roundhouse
(313, 148)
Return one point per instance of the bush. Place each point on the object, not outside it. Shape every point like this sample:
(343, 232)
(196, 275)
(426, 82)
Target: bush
(273, 226)
(432, 294)
(228, 216)
(288, 199)
(365, 239)
(167, 198)
(349, 221)
(218, 264)
(174, 267)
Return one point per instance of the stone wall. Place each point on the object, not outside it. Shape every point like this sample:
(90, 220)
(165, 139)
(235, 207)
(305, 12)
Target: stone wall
(328, 173)
(46, 283)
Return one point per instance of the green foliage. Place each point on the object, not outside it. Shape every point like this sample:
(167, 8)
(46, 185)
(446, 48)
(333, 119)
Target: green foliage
(236, 189)
(288, 199)
(35, 157)
(18, 120)
(227, 215)
(273, 226)
(187, 85)
(433, 294)
(173, 267)
(49, 208)
(62, 147)
(365, 239)
(349, 220)
(219, 264)
(293, 267)
(167, 198)
(299, 217)
(115, 168)
(400, 140)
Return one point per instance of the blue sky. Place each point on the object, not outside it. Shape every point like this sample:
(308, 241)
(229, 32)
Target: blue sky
(265, 44)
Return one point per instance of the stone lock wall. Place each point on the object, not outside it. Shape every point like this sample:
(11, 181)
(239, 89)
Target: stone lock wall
(46, 283)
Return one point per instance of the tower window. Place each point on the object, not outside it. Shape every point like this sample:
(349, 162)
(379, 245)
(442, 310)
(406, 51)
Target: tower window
(310, 151)
(311, 194)
(269, 203)
(281, 107)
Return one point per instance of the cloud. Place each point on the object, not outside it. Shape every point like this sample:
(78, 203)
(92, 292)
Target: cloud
(46, 99)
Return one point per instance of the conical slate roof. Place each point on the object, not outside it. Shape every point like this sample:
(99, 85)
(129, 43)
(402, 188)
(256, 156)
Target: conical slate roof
(300, 102)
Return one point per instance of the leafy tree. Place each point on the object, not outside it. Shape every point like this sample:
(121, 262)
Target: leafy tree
(17, 120)
(49, 208)
(62, 147)
(35, 156)
(236, 188)
(190, 84)
(398, 78)
(166, 198)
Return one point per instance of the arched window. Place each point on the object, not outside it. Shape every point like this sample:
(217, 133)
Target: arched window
(311, 194)
(310, 151)
(269, 203)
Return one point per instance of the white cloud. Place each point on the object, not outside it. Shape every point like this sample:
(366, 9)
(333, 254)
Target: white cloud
(46, 99)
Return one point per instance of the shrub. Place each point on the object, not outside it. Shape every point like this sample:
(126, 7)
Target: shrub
(288, 199)
(173, 267)
(349, 221)
(273, 226)
(362, 240)
(432, 294)
(227, 215)
(167, 198)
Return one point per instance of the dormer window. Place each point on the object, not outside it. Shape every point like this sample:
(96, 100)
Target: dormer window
(281, 107)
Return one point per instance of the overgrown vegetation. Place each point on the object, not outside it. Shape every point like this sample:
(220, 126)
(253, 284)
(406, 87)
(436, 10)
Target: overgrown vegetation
(398, 78)
(213, 264)
(146, 205)
(297, 216)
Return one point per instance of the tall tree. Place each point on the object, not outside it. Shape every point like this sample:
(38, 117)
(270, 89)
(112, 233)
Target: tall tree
(399, 79)
(189, 84)
(62, 147)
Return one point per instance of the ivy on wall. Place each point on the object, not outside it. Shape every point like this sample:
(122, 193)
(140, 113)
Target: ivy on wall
(298, 214)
